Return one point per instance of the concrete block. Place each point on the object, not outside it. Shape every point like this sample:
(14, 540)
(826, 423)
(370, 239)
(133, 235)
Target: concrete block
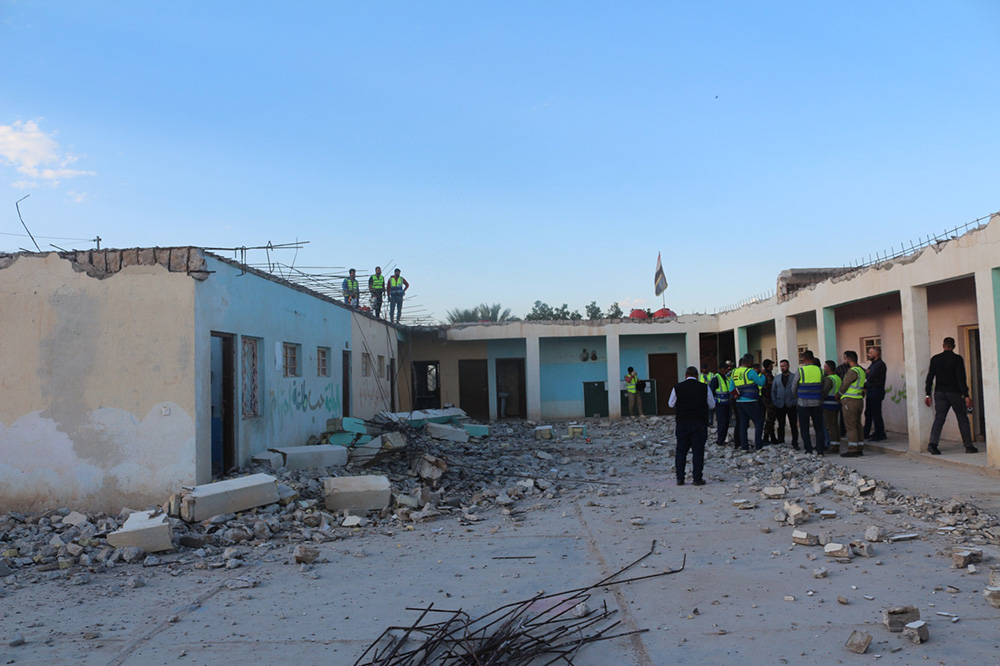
(271, 459)
(543, 432)
(145, 530)
(862, 548)
(804, 538)
(899, 616)
(963, 556)
(994, 577)
(834, 549)
(393, 440)
(795, 514)
(859, 642)
(75, 519)
(917, 632)
(451, 433)
(773, 492)
(231, 496)
(476, 429)
(874, 533)
(314, 457)
(576, 430)
(341, 438)
(357, 493)
(992, 595)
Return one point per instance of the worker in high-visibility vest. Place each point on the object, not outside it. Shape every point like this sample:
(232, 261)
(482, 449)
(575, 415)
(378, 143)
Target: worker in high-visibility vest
(852, 403)
(721, 387)
(747, 383)
(831, 407)
(632, 391)
(350, 288)
(706, 377)
(397, 287)
(808, 383)
(376, 287)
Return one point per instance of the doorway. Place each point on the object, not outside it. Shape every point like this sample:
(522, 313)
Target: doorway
(426, 388)
(975, 374)
(474, 388)
(663, 370)
(345, 382)
(392, 385)
(511, 402)
(223, 381)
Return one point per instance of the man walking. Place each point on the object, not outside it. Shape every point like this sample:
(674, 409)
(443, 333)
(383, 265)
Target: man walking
(852, 403)
(397, 287)
(692, 400)
(746, 385)
(376, 287)
(783, 398)
(632, 391)
(951, 392)
(874, 394)
(809, 394)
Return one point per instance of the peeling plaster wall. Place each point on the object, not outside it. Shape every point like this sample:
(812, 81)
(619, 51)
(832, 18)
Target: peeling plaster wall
(96, 384)
(370, 395)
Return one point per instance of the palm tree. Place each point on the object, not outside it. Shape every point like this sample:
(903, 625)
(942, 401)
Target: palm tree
(493, 312)
(463, 315)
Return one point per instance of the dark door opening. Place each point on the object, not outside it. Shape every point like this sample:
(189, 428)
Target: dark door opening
(474, 388)
(392, 385)
(223, 404)
(976, 384)
(663, 369)
(345, 381)
(426, 389)
(511, 393)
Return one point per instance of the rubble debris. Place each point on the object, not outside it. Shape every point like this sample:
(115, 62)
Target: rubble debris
(148, 530)
(859, 641)
(897, 617)
(803, 538)
(428, 467)
(305, 554)
(199, 503)
(357, 493)
(834, 549)
(874, 533)
(916, 632)
(773, 492)
(862, 549)
(992, 594)
(962, 556)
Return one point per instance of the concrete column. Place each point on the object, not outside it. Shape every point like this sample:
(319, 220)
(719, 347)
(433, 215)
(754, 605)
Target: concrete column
(826, 329)
(615, 373)
(916, 361)
(742, 346)
(786, 331)
(533, 377)
(987, 297)
(692, 350)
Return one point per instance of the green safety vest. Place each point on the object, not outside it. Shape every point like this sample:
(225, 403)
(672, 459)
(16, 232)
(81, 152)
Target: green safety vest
(378, 282)
(855, 390)
(630, 382)
(352, 286)
(395, 285)
(747, 387)
(830, 401)
(706, 377)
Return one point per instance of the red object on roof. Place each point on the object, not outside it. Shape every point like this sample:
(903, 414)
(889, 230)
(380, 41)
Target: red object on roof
(664, 312)
(638, 314)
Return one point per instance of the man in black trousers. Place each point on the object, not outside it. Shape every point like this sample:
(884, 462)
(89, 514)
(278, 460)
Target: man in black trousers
(691, 401)
(951, 393)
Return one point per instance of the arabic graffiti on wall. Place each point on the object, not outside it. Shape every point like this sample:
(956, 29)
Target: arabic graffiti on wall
(296, 397)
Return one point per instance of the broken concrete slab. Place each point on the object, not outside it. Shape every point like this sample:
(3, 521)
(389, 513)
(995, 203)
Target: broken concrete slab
(75, 519)
(476, 429)
(393, 440)
(230, 496)
(313, 457)
(773, 492)
(357, 493)
(916, 632)
(148, 530)
(859, 642)
(421, 417)
(834, 549)
(448, 432)
(270, 459)
(963, 556)
(803, 538)
(992, 595)
(897, 617)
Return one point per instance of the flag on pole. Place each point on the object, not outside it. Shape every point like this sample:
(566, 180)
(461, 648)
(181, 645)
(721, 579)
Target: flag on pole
(660, 280)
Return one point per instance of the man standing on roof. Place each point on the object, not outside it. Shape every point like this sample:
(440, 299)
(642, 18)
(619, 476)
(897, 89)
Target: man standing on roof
(351, 290)
(746, 386)
(397, 287)
(376, 287)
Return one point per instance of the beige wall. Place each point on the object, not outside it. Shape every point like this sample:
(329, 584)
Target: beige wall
(430, 348)
(370, 394)
(97, 397)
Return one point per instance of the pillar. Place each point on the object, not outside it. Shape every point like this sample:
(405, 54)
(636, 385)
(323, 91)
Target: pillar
(786, 333)
(615, 373)
(533, 377)
(826, 330)
(987, 297)
(916, 361)
(692, 352)
(742, 346)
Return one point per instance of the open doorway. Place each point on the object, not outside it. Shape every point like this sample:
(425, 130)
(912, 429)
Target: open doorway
(511, 402)
(975, 375)
(663, 370)
(223, 404)
(474, 388)
(426, 386)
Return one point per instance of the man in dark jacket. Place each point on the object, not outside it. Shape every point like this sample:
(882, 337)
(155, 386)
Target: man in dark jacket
(691, 401)
(874, 394)
(783, 398)
(951, 392)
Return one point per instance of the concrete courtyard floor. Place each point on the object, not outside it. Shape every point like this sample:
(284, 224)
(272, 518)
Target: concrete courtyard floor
(731, 603)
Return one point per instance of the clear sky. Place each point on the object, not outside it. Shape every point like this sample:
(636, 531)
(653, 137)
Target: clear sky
(504, 152)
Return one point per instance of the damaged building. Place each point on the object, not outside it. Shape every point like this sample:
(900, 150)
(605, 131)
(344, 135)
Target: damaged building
(126, 374)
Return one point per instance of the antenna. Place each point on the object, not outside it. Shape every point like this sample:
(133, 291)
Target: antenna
(17, 205)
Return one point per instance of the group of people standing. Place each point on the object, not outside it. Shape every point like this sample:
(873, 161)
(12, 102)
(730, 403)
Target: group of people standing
(830, 398)
(378, 288)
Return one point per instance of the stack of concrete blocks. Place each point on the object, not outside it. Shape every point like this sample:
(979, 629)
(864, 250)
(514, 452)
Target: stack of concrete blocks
(149, 530)
(357, 493)
(230, 496)
(576, 430)
(543, 432)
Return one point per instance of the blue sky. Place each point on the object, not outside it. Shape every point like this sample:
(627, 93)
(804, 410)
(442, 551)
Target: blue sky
(504, 152)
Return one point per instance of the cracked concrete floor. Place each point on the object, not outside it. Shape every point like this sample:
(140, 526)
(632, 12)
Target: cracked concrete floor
(727, 606)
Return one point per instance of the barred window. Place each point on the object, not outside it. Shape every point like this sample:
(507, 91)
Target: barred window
(250, 375)
(366, 365)
(322, 361)
(290, 360)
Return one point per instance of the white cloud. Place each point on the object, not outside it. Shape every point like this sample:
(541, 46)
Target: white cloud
(36, 155)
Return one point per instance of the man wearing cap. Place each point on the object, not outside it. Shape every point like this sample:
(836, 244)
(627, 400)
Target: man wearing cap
(692, 401)
(747, 383)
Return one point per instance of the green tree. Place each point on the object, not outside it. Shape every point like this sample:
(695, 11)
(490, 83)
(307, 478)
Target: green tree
(493, 312)
(594, 312)
(615, 311)
(540, 312)
(463, 315)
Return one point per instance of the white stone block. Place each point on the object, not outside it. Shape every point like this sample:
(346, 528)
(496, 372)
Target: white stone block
(272, 459)
(445, 431)
(144, 530)
(357, 493)
(230, 496)
(313, 457)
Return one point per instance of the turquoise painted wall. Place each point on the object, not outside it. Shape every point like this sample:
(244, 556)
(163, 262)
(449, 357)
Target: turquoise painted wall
(562, 373)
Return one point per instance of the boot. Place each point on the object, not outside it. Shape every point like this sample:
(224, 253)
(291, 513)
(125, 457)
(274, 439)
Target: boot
(851, 452)
(833, 448)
